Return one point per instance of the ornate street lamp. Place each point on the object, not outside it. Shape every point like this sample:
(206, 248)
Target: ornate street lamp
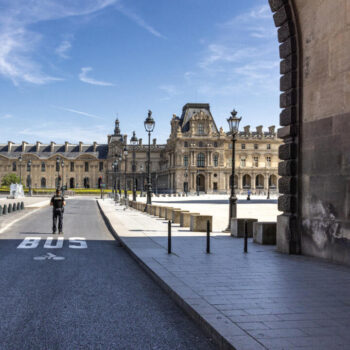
(29, 168)
(133, 142)
(233, 123)
(149, 127)
(58, 161)
(119, 159)
(20, 168)
(197, 182)
(126, 163)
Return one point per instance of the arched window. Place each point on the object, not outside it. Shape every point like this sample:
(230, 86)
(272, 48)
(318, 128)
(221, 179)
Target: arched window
(259, 181)
(14, 166)
(246, 181)
(86, 182)
(201, 160)
(43, 166)
(273, 181)
(216, 160)
(43, 182)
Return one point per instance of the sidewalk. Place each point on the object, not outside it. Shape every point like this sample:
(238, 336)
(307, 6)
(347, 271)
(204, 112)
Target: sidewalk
(259, 300)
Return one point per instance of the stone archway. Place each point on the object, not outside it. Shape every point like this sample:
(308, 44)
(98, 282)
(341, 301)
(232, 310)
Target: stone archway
(200, 183)
(315, 128)
(284, 15)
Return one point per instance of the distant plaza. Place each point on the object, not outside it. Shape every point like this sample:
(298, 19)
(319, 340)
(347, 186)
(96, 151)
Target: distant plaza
(196, 158)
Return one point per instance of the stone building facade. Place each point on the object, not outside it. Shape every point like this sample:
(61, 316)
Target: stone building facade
(196, 157)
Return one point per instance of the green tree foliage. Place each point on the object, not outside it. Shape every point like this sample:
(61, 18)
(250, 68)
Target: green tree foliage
(9, 179)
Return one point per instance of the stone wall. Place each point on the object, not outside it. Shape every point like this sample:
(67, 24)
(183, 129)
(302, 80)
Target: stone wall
(315, 167)
(325, 131)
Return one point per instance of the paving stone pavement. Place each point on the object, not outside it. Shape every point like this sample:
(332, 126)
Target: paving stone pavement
(259, 300)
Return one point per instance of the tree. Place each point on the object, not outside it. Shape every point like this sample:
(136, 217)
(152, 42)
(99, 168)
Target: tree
(9, 179)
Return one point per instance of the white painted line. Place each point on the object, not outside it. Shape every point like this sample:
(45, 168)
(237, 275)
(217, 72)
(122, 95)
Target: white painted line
(17, 220)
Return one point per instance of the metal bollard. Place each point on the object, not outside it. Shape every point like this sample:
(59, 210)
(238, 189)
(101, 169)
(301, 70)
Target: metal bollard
(22, 205)
(0, 210)
(208, 237)
(169, 237)
(245, 236)
(9, 208)
(4, 211)
(14, 207)
(18, 206)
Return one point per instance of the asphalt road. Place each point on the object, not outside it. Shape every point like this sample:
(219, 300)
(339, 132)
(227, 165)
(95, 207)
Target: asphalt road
(89, 294)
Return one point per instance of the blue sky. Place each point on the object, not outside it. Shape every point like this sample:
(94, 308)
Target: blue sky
(69, 67)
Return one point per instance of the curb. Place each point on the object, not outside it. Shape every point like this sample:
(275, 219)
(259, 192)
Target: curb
(221, 341)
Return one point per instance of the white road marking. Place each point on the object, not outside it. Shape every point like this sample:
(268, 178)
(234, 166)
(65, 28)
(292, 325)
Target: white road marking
(77, 240)
(29, 243)
(33, 242)
(48, 243)
(49, 256)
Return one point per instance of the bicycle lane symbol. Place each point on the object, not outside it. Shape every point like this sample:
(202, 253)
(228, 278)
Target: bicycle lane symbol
(49, 256)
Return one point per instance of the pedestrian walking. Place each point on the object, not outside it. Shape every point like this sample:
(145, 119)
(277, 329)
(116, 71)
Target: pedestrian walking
(58, 203)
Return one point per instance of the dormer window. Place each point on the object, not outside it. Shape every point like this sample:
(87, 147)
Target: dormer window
(200, 129)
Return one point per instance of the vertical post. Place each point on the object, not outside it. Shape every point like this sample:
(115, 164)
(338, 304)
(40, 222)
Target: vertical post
(245, 236)
(169, 237)
(149, 183)
(208, 237)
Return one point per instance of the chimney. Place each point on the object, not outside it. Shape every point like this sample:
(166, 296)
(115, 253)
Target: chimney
(38, 144)
(154, 142)
(259, 129)
(66, 146)
(80, 146)
(272, 129)
(52, 146)
(94, 146)
(9, 146)
(247, 129)
(24, 144)
(140, 142)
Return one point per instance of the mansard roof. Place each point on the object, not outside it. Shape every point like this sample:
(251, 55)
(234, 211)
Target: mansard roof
(44, 150)
(190, 109)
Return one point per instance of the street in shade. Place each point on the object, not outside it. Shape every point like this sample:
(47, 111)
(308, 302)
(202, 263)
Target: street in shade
(82, 291)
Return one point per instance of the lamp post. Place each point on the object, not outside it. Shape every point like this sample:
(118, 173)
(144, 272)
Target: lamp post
(58, 172)
(149, 127)
(29, 165)
(115, 168)
(233, 123)
(268, 186)
(126, 163)
(62, 165)
(197, 182)
(20, 168)
(134, 142)
(186, 183)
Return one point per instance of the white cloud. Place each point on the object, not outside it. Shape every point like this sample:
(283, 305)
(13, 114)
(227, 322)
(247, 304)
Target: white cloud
(71, 110)
(18, 43)
(7, 116)
(63, 49)
(83, 76)
(138, 20)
